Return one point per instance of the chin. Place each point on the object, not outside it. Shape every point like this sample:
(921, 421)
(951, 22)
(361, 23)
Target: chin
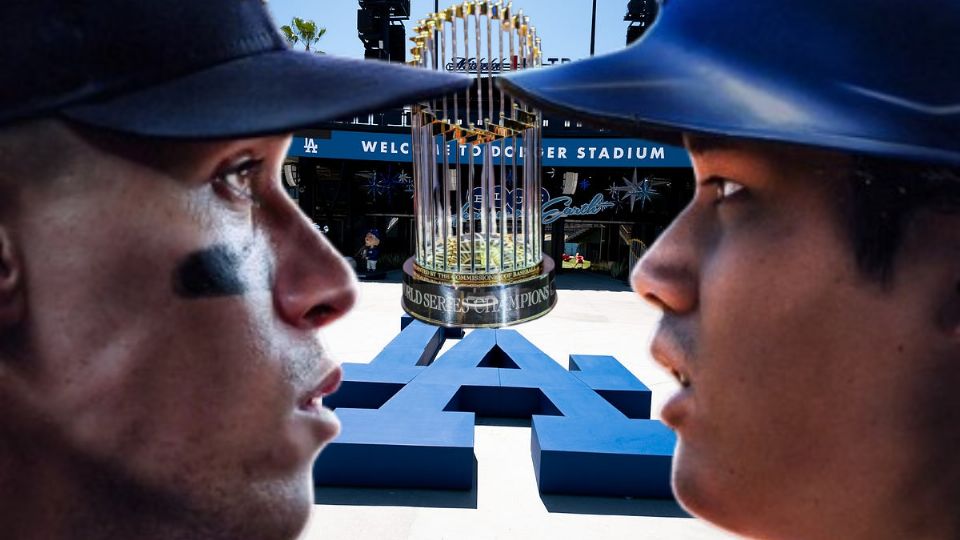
(689, 492)
(276, 512)
(290, 524)
(290, 513)
(699, 492)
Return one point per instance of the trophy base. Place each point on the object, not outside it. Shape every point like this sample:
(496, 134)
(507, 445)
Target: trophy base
(479, 306)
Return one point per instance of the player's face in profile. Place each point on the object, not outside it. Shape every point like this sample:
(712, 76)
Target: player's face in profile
(809, 391)
(175, 300)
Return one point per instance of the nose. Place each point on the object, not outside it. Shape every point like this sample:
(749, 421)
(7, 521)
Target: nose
(313, 284)
(667, 274)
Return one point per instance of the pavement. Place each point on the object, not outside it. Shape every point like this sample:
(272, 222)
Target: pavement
(594, 314)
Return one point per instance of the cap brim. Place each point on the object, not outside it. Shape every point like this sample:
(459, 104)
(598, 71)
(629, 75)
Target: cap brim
(273, 92)
(659, 91)
(598, 91)
(660, 88)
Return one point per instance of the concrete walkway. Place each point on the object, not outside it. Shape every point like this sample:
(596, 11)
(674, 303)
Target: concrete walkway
(594, 315)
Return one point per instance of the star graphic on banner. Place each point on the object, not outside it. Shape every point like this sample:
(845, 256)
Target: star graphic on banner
(614, 192)
(584, 184)
(639, 190)
(377, 185)
(403, 180)
(552, 173)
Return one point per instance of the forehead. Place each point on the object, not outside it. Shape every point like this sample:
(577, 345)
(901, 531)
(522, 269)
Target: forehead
(182, 156)
(726, 154)
(704, 144)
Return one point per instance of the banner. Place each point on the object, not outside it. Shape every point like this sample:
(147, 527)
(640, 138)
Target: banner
(557, 152)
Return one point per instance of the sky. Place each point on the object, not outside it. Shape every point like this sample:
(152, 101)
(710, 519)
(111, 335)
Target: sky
(563, 25)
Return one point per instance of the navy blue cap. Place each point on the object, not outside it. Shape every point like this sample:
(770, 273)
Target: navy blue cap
(184, 68)
(877, 77)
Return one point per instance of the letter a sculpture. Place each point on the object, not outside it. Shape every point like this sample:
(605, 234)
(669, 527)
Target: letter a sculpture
(477, 198)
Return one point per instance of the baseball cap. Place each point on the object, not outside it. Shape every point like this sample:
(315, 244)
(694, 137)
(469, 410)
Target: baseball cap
(185, 69)
(876, 77)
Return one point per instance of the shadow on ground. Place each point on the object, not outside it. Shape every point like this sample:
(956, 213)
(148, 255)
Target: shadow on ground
(613, 506)
(504, 422)
(420, 498)
(390, 276)
(579, 280)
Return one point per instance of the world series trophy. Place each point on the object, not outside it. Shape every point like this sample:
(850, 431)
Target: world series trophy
(477, 196)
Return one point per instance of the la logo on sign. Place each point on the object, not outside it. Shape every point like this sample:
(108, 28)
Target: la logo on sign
(408, 418)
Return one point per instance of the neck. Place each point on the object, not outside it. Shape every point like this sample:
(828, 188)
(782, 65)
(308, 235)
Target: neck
(921, 506)
(926, 505)
(47, 496)
(37, 500)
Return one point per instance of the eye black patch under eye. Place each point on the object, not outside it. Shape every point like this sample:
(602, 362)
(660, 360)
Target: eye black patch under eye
(212, 272)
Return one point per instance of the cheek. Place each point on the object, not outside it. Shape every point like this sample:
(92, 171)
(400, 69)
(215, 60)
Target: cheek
(798, 365)
(204, 385)
(126, 366)
(770, 282)
(223, 270)
(211, 272)
(777, 305)
(139, 370)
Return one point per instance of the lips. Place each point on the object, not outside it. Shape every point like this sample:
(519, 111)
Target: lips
(312, 402)
(665, 352)
(681, 377)
(668, 354)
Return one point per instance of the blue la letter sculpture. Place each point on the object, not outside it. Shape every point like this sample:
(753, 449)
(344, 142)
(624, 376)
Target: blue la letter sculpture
(408, 419)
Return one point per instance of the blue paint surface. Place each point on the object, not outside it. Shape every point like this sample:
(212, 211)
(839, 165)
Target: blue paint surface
(408, 419)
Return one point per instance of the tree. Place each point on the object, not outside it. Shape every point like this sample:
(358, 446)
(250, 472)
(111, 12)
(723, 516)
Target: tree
(303, 31)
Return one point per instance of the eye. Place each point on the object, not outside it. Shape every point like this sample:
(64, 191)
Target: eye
(726, 189)
(234, 180)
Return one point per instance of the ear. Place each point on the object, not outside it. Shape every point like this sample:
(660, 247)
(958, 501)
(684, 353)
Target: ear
(11, 282)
